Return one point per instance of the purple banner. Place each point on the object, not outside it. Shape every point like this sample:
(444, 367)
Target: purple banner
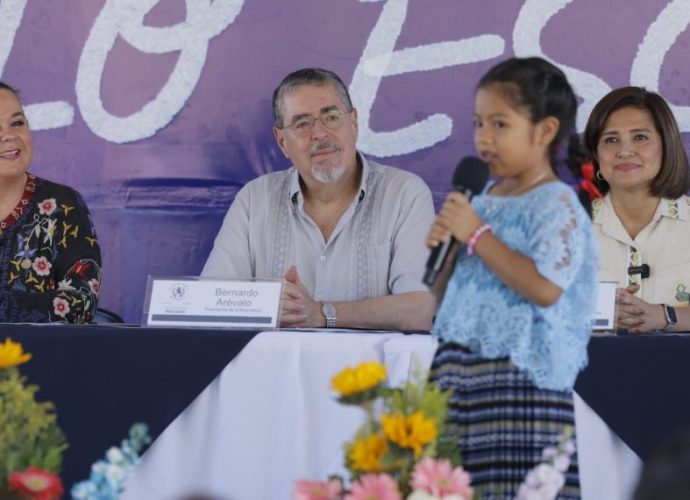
(159, 111)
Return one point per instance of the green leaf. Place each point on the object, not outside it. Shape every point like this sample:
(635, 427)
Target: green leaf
(29, 434)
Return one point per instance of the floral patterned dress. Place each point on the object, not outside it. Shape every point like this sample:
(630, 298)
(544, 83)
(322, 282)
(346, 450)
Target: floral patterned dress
(50, 261)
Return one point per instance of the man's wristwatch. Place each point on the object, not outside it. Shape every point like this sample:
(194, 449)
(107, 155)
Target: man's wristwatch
(328, 310)
(671, 318)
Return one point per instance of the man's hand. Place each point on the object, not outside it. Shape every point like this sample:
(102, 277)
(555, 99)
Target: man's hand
(297, 308)
(636, 315)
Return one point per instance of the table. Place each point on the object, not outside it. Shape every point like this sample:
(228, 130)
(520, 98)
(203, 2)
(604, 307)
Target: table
(635, 386)
(640, 385)
(270, 418)
(103, 378)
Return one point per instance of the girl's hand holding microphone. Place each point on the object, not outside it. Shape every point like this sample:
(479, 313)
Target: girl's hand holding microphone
(457, 218)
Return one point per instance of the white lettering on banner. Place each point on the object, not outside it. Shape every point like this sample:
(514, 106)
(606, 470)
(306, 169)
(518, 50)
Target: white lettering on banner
(11, 13)
(206, 19)
(533, 17)
(44, 115)
(379, 60)
(125, 18)
(660, 37)
(47, 115)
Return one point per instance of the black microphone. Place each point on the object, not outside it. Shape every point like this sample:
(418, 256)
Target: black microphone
(643, 270)
(470, 177)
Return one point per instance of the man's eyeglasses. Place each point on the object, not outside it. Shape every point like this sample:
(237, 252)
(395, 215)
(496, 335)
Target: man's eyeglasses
(332, 119)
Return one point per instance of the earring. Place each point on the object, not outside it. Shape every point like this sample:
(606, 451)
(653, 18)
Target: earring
(600, 177)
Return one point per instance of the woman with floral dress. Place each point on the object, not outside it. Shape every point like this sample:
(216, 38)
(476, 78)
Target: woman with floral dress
(50, 261)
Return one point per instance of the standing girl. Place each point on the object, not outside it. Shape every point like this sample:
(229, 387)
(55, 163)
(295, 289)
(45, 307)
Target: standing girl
(517, 310)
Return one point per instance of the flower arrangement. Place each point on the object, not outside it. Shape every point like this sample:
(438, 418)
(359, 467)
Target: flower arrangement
(545, 480)
(395, 454)
(31, 443)
(108, 475)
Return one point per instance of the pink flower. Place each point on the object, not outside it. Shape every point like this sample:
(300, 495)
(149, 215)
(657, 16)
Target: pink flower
(374, 487)
(60, 306)
(439, 478)
(42, 266)
(36, 484)
(47, 206)
(95, 286)
(318, 490)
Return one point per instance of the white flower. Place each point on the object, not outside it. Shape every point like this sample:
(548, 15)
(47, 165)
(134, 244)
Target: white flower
(569, 447)
(547, 474)
(98, 468)
(65, 284)
(115, 474)
(549, 452)
(83, 491)
(561, 463)
(114, 455)
(531, 480)
(550, 491)
(527, 493)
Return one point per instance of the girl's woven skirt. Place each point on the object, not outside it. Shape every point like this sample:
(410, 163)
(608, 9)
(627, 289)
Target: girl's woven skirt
(500, 420)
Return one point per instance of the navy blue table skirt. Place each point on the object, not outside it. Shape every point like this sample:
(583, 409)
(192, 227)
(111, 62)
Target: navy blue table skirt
(103, 379)
(640, 386)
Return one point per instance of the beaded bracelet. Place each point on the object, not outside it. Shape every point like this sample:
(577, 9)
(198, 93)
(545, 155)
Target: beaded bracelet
(475, 236)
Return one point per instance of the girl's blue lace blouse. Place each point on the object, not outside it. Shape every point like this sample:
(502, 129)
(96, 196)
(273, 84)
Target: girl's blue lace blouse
(549, 225)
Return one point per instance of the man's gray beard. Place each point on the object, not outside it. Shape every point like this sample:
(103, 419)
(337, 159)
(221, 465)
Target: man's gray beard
(328, 175)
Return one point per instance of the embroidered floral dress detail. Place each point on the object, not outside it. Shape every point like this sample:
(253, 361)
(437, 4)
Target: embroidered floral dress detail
(549, 226)
(49, 257)
(29, 189)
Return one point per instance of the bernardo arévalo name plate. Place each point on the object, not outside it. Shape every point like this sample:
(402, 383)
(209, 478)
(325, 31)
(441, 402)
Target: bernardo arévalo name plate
(191, 301)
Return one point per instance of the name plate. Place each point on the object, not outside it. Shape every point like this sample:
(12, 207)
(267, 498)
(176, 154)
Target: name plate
(191, 301)
(605, 318)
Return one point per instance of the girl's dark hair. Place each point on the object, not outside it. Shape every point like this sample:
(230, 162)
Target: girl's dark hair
(673, 179)
(541, 89)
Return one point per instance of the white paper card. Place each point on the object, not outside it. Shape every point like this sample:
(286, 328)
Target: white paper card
(605, 318)
(190, 301)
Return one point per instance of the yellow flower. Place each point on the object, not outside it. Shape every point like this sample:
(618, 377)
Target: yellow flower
(361, 378)
(365, 454)
(12, 354)
(413, 431)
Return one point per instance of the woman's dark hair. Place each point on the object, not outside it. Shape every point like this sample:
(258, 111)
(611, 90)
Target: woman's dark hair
(5, 86)
(541, 89)
(673, 179)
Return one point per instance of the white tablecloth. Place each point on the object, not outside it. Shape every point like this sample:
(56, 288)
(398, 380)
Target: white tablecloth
(270, 418)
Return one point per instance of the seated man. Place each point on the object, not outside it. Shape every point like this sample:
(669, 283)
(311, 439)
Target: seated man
(345, 233)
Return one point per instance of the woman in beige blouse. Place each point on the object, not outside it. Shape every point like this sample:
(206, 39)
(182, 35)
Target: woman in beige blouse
(642, 223)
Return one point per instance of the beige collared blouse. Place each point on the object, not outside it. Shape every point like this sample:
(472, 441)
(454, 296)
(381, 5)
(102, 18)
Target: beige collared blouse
(664, 245)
